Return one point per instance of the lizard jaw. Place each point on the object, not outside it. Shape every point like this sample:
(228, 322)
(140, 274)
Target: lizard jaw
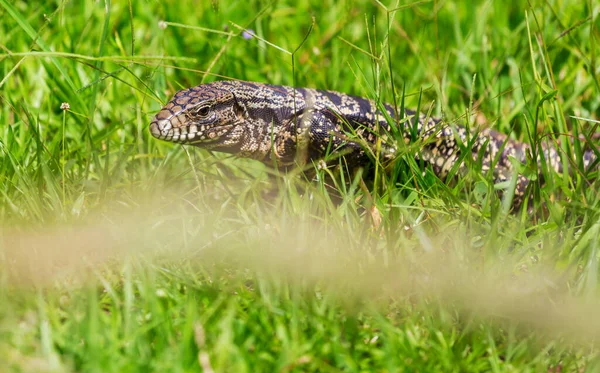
(192, 134)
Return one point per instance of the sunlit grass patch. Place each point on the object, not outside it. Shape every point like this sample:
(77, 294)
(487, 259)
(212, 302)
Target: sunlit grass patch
(122, 253)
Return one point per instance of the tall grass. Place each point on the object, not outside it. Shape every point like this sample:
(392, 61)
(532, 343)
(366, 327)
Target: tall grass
(122, 253)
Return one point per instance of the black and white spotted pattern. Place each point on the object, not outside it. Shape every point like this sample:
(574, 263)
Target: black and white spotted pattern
(284, 126)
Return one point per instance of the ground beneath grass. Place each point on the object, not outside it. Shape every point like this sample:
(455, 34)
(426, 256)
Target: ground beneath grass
(122, 253)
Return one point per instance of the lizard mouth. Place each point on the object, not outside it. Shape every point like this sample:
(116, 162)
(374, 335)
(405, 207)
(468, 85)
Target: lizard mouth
(172, 126)
(209, 134)
(166, 129)
(163, 129)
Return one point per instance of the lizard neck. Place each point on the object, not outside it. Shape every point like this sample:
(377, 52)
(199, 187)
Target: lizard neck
(256, 139)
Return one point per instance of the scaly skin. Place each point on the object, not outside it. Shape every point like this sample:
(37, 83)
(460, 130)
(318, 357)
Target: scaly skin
(284, 127)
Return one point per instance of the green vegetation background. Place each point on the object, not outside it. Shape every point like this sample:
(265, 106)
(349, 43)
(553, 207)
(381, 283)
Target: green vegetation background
(122, 253)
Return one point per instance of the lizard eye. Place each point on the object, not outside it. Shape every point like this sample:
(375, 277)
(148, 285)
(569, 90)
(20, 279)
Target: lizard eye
(203, 111)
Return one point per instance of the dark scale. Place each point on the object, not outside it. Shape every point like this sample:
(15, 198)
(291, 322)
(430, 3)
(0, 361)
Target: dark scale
(283, 127)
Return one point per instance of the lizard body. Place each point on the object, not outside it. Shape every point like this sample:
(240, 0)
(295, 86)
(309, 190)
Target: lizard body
(284, 126)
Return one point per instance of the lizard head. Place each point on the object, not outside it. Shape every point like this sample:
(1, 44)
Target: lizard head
(207, 116)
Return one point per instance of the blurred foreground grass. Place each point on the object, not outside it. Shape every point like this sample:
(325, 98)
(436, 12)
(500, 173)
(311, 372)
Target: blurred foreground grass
(120, 253)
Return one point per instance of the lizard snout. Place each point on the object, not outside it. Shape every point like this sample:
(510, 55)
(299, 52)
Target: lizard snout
(164, 122)
(156, 127)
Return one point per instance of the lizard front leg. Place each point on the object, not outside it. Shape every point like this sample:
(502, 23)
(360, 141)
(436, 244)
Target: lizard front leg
(314, 135)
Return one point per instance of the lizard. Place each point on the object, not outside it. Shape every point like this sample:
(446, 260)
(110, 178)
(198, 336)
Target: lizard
(287, 127)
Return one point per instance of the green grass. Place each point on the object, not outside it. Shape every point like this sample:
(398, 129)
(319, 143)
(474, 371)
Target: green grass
(123, 253)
